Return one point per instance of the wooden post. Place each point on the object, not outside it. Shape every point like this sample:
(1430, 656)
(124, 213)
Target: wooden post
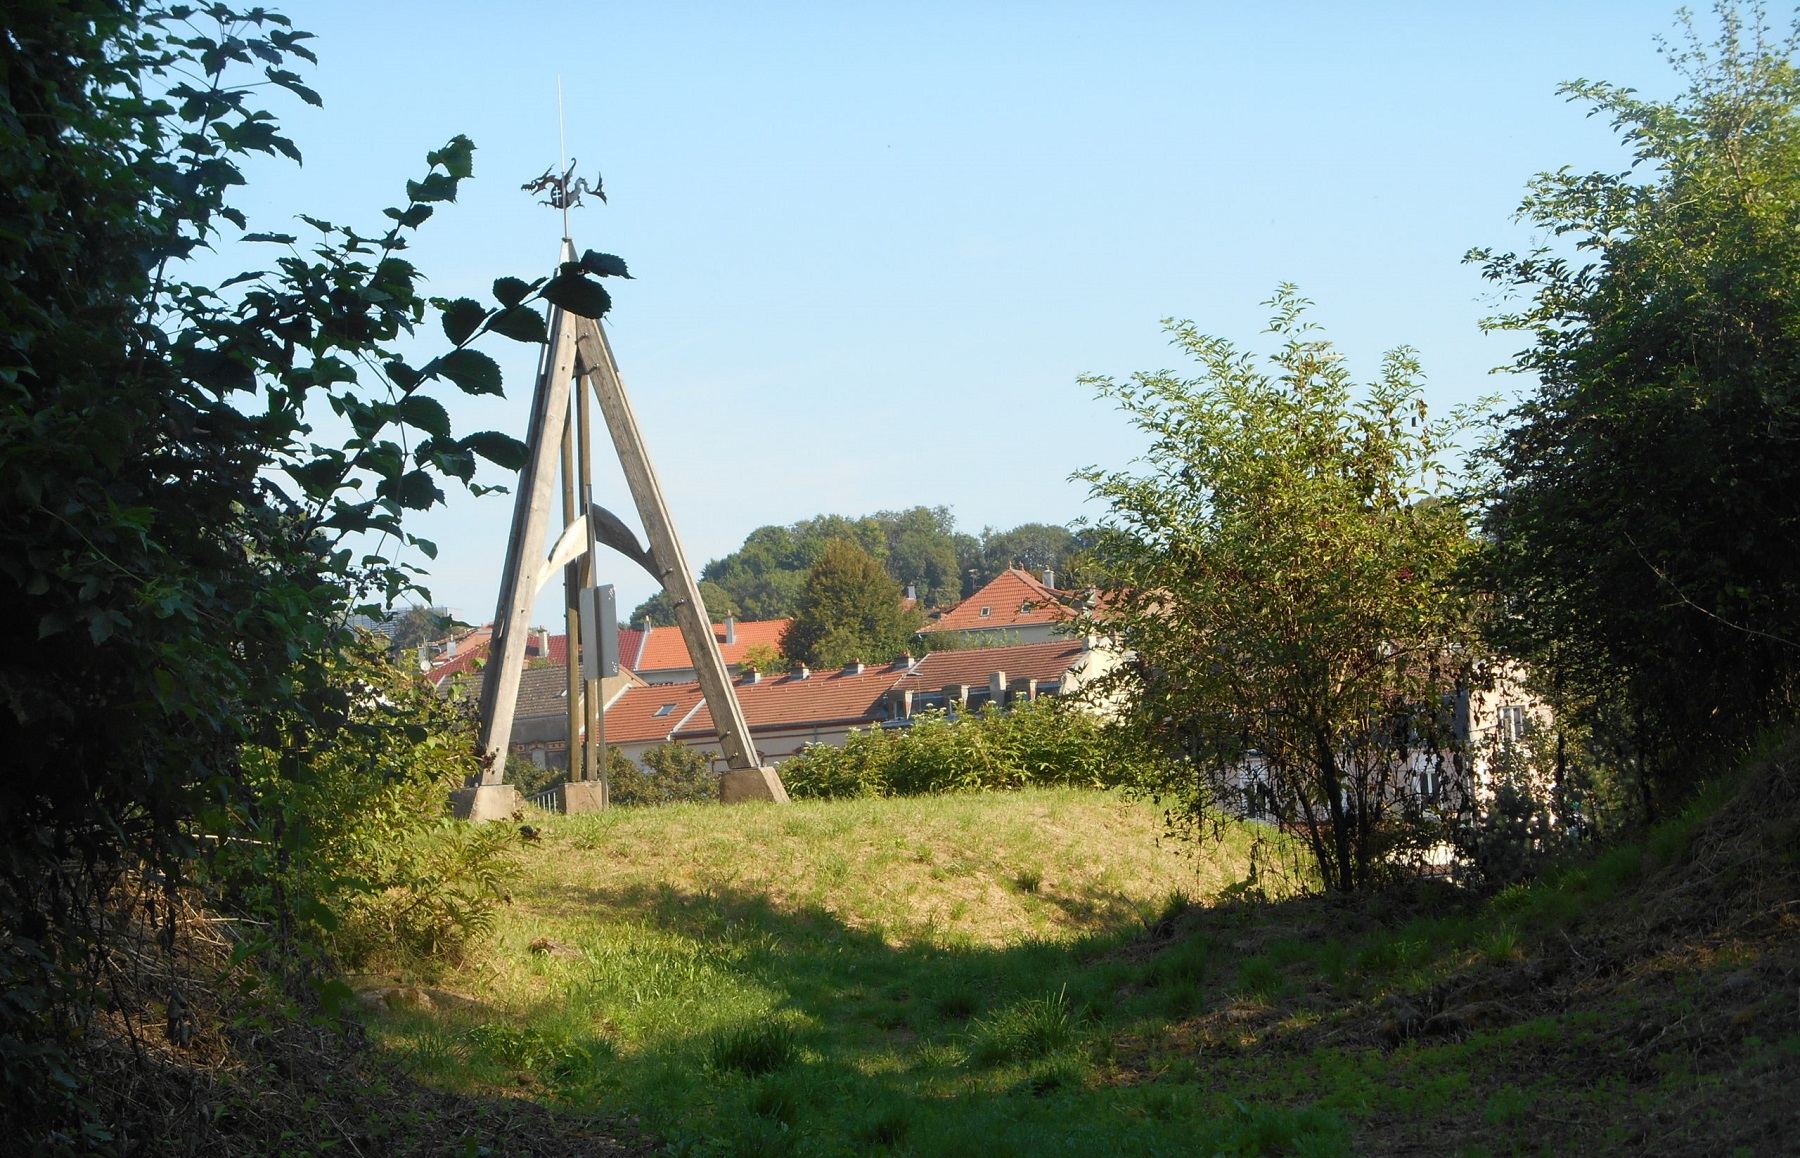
(746, 779)
(521, 578)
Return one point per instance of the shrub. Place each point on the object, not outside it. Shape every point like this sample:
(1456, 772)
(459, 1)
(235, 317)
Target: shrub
(1028, 1029)
(1038, 744)
(672, 773)
(386, 872)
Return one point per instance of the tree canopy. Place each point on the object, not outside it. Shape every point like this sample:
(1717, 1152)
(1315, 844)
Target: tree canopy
(1642, 524)
(849, 609)
(1279, 575)
(919, 546)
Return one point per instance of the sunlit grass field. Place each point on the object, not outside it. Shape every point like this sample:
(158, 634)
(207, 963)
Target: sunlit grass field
(1040, 973)
(925, 975)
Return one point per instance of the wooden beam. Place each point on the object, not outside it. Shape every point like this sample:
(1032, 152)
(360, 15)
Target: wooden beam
(521, 579)
(598, 366)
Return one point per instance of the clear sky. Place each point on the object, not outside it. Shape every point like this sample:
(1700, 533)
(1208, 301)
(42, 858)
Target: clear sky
(875, 244)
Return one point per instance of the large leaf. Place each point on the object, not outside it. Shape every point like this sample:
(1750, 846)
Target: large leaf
(462, 318)
(471, 370)
(603, 264)
(520, 323)
(510, 290)
(578, 294)
(503, 450)
(435, 187)
(457, 157)
(426, 413)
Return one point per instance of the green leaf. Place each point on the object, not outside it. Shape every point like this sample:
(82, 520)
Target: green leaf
(291, 82)
(412, 216)
(435, 187)
(503, 450)
(426, 413)
(520, 323)
(462, 318)
(603, 264)
(510, 290)
(457, 157)
(401, 375)
(471, 370)
(578, 295)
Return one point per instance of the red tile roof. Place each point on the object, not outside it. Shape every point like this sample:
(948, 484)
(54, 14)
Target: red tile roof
(1038, 661)
(665, 650)
(826, 698)
(476, 644)
(1015, 598)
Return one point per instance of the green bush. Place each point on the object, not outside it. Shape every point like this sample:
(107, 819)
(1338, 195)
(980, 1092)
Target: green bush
(381, 871)
(1043, 743)
(672, 773)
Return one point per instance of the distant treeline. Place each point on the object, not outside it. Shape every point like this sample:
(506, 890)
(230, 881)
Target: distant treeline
(919, 546)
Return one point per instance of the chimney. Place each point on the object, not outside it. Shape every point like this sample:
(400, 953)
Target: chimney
(854, 667)
(730, 629)
(802, 672)
(956, 695)
(997, 687)
(1050, 578)
(450, 647)
(912, 593)
(544, 641)
(752, 676)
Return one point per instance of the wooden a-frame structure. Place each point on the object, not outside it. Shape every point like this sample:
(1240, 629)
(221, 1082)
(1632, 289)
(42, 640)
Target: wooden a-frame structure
(577, 370)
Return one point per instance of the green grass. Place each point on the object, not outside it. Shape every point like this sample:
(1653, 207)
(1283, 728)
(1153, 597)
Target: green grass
(996, 975)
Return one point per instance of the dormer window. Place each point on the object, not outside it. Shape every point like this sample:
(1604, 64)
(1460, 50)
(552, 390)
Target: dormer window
(985, 612)
(664, 710)
(1026, 607)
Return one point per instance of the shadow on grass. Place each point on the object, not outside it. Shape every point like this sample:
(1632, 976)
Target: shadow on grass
(733, 1024)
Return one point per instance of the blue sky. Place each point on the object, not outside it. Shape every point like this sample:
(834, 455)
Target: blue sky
(875, 244)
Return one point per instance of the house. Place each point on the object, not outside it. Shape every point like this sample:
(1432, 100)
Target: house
(657, 654)
(1014, 607)
(662, 656)
(788, 712)
(540, 729)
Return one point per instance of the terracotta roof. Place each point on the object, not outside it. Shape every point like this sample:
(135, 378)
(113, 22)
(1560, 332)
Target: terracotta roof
(1038, 661)
(480, 641)
(833, 697)
(665, 650)
(1014, 598)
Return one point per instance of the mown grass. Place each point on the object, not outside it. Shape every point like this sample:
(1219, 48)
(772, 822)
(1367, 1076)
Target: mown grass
(1021, 973)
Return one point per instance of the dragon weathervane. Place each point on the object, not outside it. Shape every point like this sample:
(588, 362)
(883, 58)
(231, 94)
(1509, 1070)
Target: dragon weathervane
(565, 191)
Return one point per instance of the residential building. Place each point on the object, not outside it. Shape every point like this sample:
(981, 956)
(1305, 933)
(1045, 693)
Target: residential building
(1015, 607)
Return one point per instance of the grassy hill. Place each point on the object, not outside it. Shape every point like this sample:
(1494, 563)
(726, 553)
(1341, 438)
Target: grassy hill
(1028, 974)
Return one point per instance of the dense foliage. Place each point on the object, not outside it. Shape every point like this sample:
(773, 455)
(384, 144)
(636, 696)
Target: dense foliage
(919, 546)
(849, 609)
(1643, 518)
(373, 863)
(1278, 576)
(1041, 743)
(177, 552)
(672, 773)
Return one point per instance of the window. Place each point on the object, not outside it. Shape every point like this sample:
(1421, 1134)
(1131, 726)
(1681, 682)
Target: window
(1430, 784)
(1512, 722)
(664, 710)
(985, 611)
(1027, 607)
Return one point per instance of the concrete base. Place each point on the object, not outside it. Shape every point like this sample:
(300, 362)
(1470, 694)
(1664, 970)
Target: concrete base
(486, 802)
(583, 796)
(746, 784)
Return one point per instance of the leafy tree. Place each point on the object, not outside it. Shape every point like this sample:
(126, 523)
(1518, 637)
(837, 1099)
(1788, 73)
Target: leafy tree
(1642, 523)
(1279, 575)
(849, 609)
(672, 773)
(658, 612)
(765, 658)
(921, 551)
(418, 625)
(178, 551)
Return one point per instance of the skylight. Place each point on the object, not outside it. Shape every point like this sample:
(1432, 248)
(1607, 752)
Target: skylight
(664, 710)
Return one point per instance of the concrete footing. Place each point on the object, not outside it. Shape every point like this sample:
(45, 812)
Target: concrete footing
(486, 802)
(742, 785)
(583, 796)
